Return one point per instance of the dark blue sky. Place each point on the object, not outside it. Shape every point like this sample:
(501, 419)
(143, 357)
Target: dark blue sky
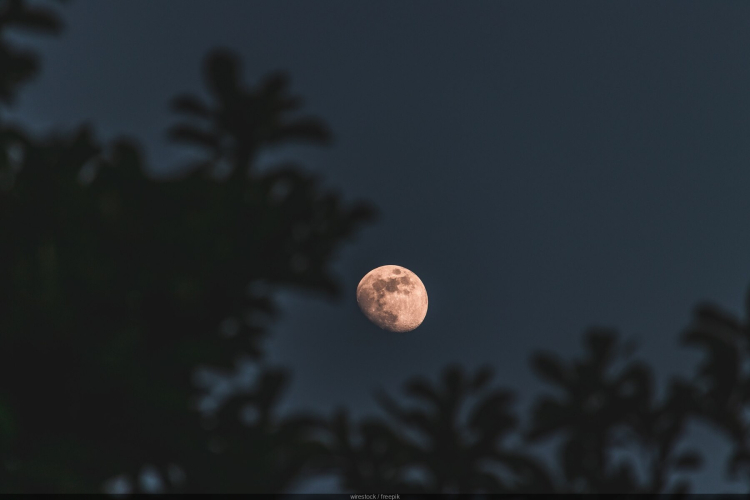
(542, 166)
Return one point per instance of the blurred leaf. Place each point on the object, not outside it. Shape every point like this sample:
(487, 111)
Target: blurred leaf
(688, 460)
(192, 135)
(481, 378)
(191, 105)
(550, 368)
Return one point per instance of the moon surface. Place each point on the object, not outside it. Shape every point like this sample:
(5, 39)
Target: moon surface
(393, 298)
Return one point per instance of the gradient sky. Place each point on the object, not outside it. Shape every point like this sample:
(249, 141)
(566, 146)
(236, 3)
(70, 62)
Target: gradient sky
(542, 166)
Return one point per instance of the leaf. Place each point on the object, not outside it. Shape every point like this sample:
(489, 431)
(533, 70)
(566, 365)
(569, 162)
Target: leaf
(388, 404)
(550, 368)
(636, 384)
(548, 415)
(721, 365)
(191, 105)
(600, 343)
(532, 476)
(680, 489)
(420, 388)
(739, 461)
(481, 378)
(37, 19)
(689, 460)
(18, 67)
(710, 314)
(270, 387)
(192, 135)
(493, 413)
(7, 425)
(275, 83)
(221, 71)
(454, 382)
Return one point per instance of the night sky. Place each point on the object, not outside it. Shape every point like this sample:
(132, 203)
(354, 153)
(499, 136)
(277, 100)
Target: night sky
(543, 167)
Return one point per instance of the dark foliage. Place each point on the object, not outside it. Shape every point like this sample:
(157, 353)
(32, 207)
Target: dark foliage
(18, 65)
(115, 287)
(452, 441)
(242, 121)
(603, 409)
(723, 380)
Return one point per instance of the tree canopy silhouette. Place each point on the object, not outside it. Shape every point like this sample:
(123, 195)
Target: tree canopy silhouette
(453, 443)
(604, 408)
(722, 382)
(115, 287)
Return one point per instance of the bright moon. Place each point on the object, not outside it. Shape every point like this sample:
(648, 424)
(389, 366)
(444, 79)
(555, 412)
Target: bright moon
(393, 298)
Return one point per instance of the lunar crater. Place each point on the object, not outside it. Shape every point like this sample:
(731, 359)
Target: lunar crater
(393, 298)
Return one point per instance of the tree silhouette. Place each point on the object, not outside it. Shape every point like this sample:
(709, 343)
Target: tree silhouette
(723, 382)
(603, 409)
(251, 448)
(242, 121)
(614, 435)
(18, 65)
(117, 289)
(453, 443)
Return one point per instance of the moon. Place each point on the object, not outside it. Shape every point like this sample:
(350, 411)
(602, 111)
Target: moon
(393, 298)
